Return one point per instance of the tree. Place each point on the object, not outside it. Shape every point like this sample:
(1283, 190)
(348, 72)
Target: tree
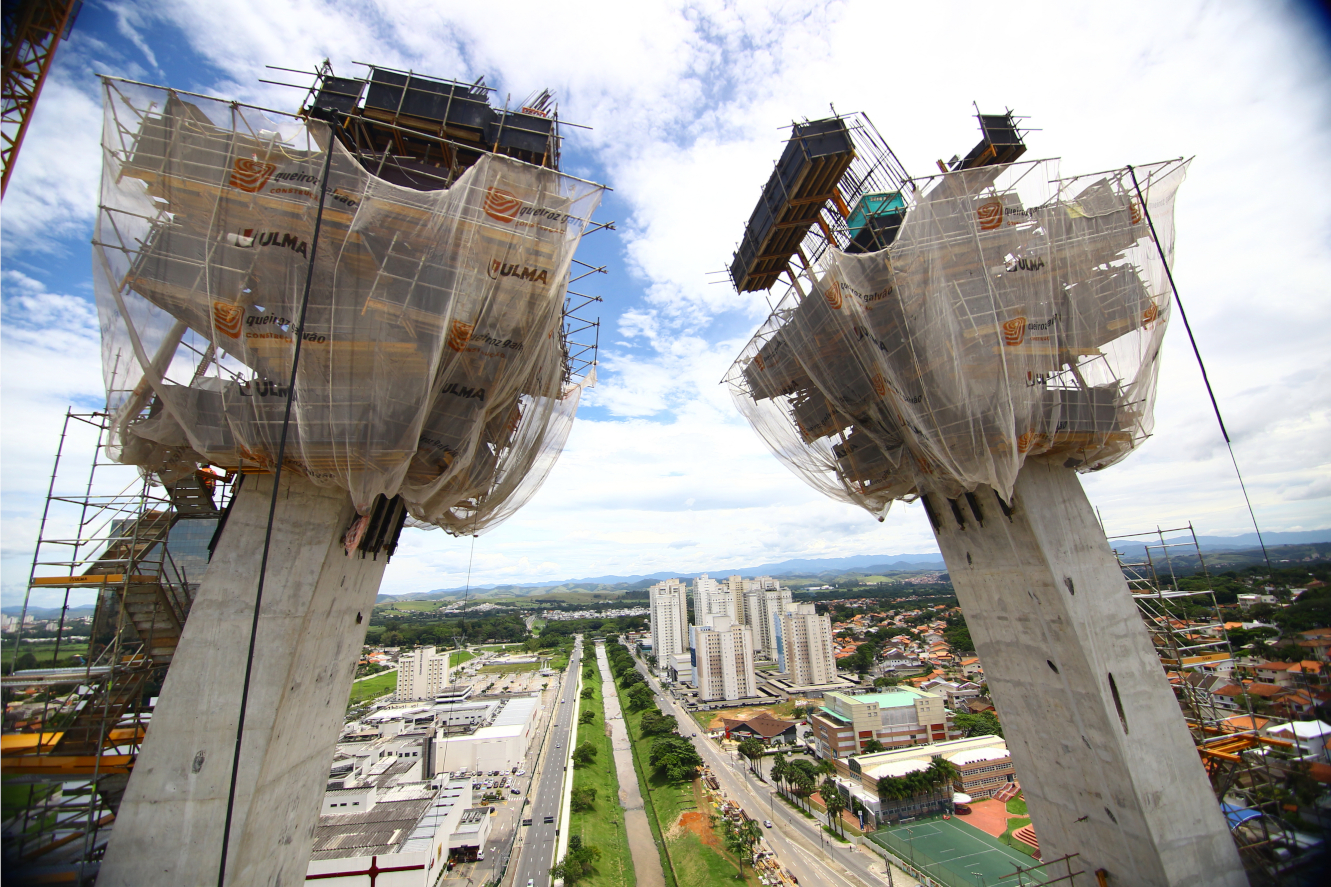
(584, 754)
(579, 861)
(741, 837)
(885, 681)
(676, 758)
(582, 799)
(640, 697)
(873, 745)
(834, 803)
(779, 768)
(654, 723)
(983, 724)
(802, 786)
(588, 692)
(587, 716)
(752, 748)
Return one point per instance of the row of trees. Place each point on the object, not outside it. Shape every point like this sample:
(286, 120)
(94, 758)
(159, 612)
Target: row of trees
(672, 756)
(798, 779)
(578, 862)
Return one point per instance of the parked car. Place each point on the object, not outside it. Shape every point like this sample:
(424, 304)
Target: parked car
(961, 809)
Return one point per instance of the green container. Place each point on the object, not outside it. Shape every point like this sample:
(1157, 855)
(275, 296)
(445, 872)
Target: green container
(873, 205)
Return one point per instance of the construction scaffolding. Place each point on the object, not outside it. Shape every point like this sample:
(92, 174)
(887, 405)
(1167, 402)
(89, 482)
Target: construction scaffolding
(938, 331)
(138, 548)
(441, 353)
(1248, 769)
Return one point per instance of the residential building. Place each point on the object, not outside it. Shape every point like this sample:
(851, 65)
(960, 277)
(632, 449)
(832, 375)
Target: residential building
(897, 718)
(421, 674)
(736, 585)
(1309, 738)
(722, 659)
(804, 646)
(711, 598)
(670, 619)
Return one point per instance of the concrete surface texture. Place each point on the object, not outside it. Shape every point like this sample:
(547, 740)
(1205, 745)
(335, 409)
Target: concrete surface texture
(1105, 760)
(642, 847)
(316, 608)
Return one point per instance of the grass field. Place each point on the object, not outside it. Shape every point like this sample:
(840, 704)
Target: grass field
(457, 657)
(695, 850)
(602, 827)
(372, 688)
(957, 854)
(44, 651)
(1017, 807)
(537, 623)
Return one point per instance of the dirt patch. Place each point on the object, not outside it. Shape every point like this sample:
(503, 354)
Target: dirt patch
(782, 710)
(698, 823)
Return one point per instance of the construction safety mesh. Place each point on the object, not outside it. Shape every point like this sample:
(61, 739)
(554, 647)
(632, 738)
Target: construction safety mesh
(1017, 314)
(432, 363)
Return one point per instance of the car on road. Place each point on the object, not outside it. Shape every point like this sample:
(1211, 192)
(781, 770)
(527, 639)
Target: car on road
(695, 734)
(767, 823)
(531, 882)
(549, 819)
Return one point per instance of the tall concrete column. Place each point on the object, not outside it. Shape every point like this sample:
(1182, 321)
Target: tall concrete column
(1105, 760)
(316, 608)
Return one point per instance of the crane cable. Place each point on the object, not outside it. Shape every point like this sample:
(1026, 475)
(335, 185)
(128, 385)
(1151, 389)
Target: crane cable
(1205, 379)
(297, 333)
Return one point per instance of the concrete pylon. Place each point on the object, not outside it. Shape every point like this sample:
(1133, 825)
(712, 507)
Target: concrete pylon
(316, 608)
(1104, 757)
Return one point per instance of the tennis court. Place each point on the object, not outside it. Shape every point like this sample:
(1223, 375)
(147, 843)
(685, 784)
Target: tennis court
(959, 855)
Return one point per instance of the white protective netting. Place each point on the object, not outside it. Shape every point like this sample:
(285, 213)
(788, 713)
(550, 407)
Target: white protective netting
(432, 362)
(1017, 314)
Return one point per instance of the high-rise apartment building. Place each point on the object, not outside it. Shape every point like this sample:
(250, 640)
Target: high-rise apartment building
(722, 659)
(670, 619)
(762, 613)
(711, 598)
(421, 674)
(736, 585)
(805, 646)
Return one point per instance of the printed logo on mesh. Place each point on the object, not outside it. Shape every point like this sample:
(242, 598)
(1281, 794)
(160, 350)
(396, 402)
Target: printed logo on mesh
(459, 335)
(990, 215)
(501, 205)
(1014, 331)
(833, 295)
(1150, 315)
(227, 318)
(251, 175)
(879, 385)
(1134, 211)
(758, 359)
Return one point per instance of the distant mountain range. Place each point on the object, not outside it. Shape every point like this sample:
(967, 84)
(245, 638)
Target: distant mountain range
(813, 567)
(48, 612)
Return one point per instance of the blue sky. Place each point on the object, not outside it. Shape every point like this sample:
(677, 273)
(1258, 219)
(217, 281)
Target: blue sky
(687, 102)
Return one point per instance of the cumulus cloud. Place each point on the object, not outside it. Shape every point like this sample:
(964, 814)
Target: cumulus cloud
(689, 102)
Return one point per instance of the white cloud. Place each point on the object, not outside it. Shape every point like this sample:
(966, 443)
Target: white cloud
(688, 101)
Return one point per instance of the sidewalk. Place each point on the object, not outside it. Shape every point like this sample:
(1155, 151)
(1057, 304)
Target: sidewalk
(642, 847)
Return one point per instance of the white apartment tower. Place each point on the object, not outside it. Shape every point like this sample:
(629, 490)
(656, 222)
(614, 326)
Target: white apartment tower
(806, 640)
(762, 614)
(670, 619)
(421, 674)
(711, 598)
(736, 585)
(722, 660)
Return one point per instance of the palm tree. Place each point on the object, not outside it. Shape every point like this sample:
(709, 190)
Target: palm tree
(803, 787)
(751, 748)
(833, 802)
(780, 769)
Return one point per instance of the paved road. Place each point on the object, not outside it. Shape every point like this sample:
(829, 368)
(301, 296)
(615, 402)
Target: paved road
(547, 795)
(797, 842)
(642, 846)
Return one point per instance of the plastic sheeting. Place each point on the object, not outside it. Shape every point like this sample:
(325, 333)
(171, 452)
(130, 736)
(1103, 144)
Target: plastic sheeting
(432, 363)
(1018, 314)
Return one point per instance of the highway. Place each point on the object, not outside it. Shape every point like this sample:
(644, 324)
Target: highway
(546, 794)
(797, 842)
